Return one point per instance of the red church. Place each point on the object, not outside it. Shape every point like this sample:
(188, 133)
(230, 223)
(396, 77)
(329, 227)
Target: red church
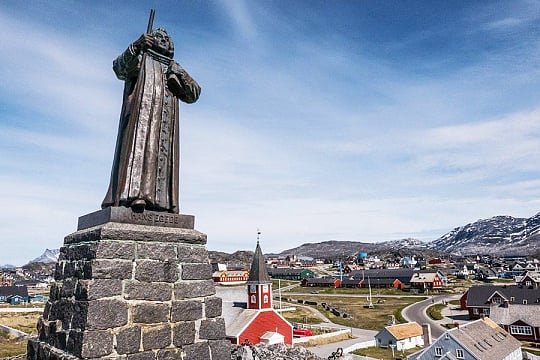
(259, 322)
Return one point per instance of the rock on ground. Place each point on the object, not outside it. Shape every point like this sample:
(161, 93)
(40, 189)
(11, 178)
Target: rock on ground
(272, 352)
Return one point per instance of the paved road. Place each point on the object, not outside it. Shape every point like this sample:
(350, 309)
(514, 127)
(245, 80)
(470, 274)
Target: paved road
(417, 312)
(20, 310)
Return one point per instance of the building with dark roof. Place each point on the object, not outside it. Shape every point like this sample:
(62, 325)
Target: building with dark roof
(514, 308)
(290, 273)
(378, 276)
(14, 294)
(325, 281)
(479, 339)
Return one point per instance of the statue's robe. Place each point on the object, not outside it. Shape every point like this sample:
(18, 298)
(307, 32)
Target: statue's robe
(146, 160)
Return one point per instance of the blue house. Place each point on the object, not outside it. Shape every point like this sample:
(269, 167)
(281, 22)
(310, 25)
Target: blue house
(13, 294)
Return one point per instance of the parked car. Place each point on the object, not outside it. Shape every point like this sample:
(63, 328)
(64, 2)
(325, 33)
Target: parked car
(302, 332)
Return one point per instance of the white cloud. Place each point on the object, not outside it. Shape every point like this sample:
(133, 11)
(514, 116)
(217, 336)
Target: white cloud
(239, 14)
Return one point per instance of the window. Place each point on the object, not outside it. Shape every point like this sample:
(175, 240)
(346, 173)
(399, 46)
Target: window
(524, 301)
(265, 299)
(486, 312)
(253, 299)
(520, 330)
(512, 299)
(252, 288)
(475, 311)
(265, 288)
(438, 351)
(528, 283)
(496, 300)
(459, 354)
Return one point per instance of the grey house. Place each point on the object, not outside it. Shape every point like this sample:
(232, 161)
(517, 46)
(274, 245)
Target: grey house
(477, 340)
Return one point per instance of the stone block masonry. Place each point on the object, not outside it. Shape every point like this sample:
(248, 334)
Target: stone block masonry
(132, 291)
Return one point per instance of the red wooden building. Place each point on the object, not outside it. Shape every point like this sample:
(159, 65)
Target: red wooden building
(259, 323)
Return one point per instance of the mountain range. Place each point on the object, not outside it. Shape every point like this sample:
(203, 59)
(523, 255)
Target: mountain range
(498, 235)
(48, 256)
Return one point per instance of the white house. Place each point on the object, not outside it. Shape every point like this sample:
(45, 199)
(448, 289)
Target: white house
(479, 339)
(403, 336)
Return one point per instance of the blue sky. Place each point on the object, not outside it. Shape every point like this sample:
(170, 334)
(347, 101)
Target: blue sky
(318, 120)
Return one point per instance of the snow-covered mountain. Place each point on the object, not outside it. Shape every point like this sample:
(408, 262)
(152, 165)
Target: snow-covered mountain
(499, 235)
(49, 256)
(405, 243)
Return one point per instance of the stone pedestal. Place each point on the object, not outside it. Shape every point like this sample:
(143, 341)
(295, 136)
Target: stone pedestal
(138, 289)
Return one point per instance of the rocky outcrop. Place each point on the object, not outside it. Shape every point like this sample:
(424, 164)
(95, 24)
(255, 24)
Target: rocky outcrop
(272, 352)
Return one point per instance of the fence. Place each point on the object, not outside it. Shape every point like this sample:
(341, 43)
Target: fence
(530, 356)
(12, 331)
(360, 345)
(321, 336)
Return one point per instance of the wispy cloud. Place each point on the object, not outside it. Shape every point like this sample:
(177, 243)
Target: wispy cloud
(306, 128)
(239, 14)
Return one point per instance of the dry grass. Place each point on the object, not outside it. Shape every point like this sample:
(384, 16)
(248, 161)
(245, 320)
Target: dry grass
(302, 314)
(21, 321)
(362, 317)
(383, 353)
(328, 340)
(10, 346)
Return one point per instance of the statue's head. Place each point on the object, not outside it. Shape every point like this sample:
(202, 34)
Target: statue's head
(163, 43)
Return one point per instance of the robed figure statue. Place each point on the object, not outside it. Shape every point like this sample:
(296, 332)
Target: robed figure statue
(146, 160)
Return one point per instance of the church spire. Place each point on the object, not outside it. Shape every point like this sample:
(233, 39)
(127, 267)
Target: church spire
(258, 272)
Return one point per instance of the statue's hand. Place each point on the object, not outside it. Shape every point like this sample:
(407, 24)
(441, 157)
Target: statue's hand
(145, 41)
(176, 69)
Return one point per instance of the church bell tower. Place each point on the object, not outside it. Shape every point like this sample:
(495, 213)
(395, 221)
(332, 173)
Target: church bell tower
(259, 284)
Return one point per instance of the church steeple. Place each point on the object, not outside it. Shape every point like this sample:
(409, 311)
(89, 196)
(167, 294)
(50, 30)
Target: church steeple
(259, 284)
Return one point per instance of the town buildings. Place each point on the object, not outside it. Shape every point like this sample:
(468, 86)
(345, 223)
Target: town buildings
(479, 339)
(514, 307)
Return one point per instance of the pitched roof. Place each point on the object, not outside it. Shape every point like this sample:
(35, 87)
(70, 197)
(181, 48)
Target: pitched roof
(423, 277)
(322, 280)
(258, 272)
(485, 339)
(511, 314)
(383, 273)
(287, 271)
(405, 331)
(479, 295)
(243, 318)
(14, 290)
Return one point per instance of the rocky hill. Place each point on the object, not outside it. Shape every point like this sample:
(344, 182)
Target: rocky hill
(333, 249)
(241, 258)
(48, 256)
(499, 235)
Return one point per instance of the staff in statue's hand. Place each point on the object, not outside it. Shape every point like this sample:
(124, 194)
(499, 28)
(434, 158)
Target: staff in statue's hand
(143, 43)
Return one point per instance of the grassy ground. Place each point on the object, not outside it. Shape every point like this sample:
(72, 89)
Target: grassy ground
(301, 315)
(454, 302)
(384, 354)
(276, 283)
(333, 339)
(434, 311)
(9, 345)
(331, 290)
(362, 317)
(21, 321)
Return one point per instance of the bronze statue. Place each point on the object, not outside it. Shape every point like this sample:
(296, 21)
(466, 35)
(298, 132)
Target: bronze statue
(146, 160)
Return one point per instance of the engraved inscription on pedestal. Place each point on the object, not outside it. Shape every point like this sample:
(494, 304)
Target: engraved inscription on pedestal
(126, 215)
